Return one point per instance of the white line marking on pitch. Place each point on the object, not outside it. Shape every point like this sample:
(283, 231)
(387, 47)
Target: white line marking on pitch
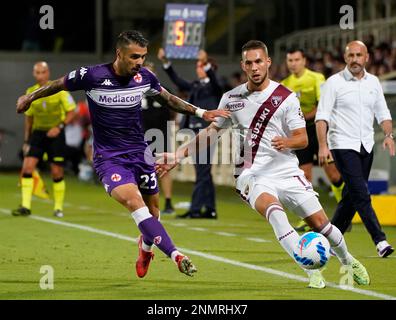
(85, 208)
(225, 234)
(177, 224)
(258, 240)
(198, 229)
(210, 257)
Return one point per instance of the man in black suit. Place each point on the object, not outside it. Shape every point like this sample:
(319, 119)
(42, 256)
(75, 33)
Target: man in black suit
(205, 91)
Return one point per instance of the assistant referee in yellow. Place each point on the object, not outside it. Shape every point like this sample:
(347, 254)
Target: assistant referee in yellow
(44, 133)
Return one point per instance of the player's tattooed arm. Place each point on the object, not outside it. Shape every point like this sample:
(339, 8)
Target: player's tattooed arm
(53, 87)
(179, 105)
(175, 103)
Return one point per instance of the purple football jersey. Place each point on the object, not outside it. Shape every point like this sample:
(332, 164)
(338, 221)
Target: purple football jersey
(115, 107)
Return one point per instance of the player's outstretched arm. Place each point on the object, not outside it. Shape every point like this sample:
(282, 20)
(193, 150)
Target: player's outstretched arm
(53, 87)
(179, 105)
(205, 139)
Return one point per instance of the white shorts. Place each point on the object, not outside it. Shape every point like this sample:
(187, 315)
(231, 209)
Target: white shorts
(296, 192)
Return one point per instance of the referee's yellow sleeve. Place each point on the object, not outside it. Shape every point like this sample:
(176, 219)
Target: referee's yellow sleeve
(67, 101)
(284, 82)
(29, 112)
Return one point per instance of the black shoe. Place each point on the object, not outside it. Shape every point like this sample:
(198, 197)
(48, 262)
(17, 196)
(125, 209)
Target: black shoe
(196, 215)
(58, 213)
(168, 210)
(189, 215)
(21, 211)
(168, 207)
(209, 214)
(184, 215)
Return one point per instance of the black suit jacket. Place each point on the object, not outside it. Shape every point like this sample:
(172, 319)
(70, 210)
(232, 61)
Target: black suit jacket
(203, 95)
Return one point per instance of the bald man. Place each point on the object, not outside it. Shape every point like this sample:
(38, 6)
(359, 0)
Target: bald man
(44, 133)
(344, 123)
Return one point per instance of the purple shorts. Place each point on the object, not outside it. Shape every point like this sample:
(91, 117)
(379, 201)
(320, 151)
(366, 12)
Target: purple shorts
(127, 168)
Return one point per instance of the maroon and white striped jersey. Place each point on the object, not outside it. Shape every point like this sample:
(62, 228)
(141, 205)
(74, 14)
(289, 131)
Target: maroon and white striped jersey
(256, 118)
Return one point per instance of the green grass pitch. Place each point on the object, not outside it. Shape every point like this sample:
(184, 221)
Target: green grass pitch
(92, 252)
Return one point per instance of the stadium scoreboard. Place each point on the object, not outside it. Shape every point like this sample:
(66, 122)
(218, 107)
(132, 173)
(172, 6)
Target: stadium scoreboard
(184, 30)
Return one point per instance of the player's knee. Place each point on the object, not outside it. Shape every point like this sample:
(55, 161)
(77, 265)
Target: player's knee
(131, 202)
(57, 172)
(28, 168)
(263, 202)
(312, 212)
(319, 222)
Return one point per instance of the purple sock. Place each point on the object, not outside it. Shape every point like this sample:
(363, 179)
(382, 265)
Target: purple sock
(154, 232)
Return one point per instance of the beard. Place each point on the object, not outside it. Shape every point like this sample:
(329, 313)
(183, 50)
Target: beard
(356, 68)
(260, 79)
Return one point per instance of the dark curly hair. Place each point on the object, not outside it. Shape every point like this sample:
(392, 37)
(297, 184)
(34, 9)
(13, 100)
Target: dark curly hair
(131, 36)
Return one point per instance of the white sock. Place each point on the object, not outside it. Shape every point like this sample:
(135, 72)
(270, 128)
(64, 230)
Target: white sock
(146, 247)
(140, 215)
(337, 243)
(285, 233)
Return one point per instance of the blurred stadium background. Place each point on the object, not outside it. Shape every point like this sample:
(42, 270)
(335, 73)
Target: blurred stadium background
(84, 32)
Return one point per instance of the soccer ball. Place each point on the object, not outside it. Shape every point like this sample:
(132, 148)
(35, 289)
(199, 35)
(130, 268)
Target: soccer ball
(312, 250)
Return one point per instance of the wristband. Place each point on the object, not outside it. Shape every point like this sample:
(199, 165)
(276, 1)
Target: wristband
(61, 125)
(389, 135)
(200, 112)
(166, 65)
(207, 67)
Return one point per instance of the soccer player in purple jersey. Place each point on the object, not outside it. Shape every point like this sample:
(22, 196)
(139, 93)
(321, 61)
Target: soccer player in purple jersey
(122, 158)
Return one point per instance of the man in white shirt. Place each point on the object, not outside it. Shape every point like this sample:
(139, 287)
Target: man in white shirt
(349, 101)
(267, 117)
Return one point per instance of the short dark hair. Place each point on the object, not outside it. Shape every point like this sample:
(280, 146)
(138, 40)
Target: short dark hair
(131, 36)
(296, 49)
(255, 44)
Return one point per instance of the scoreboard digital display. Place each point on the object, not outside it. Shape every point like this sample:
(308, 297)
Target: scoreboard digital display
(184, 30)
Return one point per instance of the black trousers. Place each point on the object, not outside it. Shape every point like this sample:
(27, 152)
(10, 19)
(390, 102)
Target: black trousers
(204, 190)
(355, 169)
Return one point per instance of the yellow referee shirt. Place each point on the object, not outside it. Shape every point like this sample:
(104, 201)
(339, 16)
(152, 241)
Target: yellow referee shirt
(49, 111)
(307, 88)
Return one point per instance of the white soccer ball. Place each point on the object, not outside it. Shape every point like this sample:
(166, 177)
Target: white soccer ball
(312, 250)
